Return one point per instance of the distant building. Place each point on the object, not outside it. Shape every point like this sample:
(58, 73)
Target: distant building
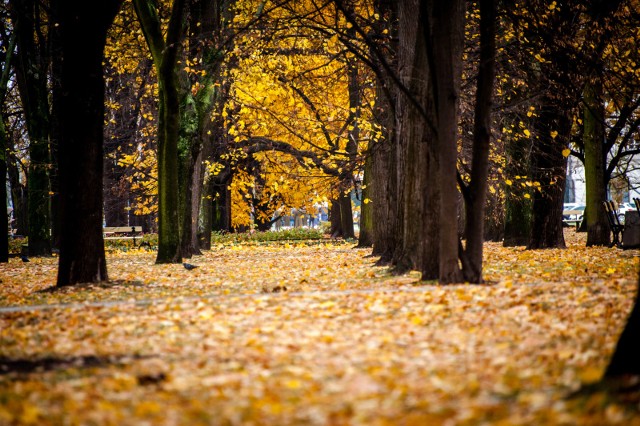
(622, 189)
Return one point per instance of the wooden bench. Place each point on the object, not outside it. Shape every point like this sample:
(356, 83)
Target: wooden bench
(617, 228)
(121, 233)
(573, 222)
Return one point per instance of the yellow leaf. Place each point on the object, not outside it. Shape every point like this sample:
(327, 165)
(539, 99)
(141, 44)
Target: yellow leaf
(566, 152)
(293, 384)
(527, 133)
(554, 134)
(508, 182)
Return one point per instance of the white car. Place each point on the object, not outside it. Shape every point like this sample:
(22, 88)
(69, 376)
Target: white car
(623, 208)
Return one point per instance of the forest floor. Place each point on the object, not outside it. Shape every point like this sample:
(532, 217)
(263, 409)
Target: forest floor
(314, 333)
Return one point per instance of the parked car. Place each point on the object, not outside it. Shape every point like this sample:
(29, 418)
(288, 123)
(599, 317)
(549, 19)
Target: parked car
(623, 208)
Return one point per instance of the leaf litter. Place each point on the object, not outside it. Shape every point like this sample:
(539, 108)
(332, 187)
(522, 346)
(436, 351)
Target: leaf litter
(315, 334)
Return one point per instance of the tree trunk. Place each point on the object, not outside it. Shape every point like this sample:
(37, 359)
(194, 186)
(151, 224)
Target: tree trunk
(165, 57)
(447, 44)
(365, 237)
(384, 201)
(598, 231)
(517, 208)
(4, 149)
(626, 357)
(18, 196)
(346, 216)
(417, 181)
(476, 195)
(83, 28)
(31, 65)
(383, 152)
(549, 168)
(221, 212)
(4, 219)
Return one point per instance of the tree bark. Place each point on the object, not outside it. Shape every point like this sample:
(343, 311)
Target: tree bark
(83, 29)
(165, 58)
(4, 145)
(31, 65)
(517, 207)
(625, 359)
(346, 216)
(4, 219)
(447, 43)
(598, 231)
(365, 237)
(383, 153)
(476, 195)
(417, 181)
(549, 168)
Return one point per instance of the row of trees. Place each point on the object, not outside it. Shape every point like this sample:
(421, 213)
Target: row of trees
(228, 113)
(289, 103)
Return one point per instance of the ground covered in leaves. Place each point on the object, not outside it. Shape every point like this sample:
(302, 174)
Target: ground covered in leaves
(298, 333)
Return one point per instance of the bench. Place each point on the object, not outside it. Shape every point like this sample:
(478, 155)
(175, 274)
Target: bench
(572, 222)
(617, 228)
(121, 233)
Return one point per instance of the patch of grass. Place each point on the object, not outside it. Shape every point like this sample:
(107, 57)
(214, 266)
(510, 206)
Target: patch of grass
(292, 234)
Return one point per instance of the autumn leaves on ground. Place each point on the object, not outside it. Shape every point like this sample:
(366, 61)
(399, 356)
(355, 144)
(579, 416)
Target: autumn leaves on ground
(314, 333)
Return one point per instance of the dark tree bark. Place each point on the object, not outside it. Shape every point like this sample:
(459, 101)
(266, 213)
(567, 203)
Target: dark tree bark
(4, 145)
(549, 168)
(417, 182)
(476, 194)
(384, 202)
(83, 31)
(447, 43)
(31, 64)
(517, 209)
(341, 217)
(346, 216)
(626, 357)
(18, 195)
(165, 57)
(365, 237)
(221, 209)
(4, 219)
(598, 231)
(383, 153)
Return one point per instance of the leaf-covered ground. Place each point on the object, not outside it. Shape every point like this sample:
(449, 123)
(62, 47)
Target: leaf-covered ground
(314, 333)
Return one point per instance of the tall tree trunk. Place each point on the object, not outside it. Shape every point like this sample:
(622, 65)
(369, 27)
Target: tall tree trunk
(447, 42)
(221, 212)
(4, 150)
(365, 237)
(165, 58)
(31, 65)
(517, 207)
(18, 195)
(598, 232)
(346, 216)
(4, 219)
(476, 195)
(549, 168)
(417, 181)
(384, 202)
(83, 30)
(383, 153)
